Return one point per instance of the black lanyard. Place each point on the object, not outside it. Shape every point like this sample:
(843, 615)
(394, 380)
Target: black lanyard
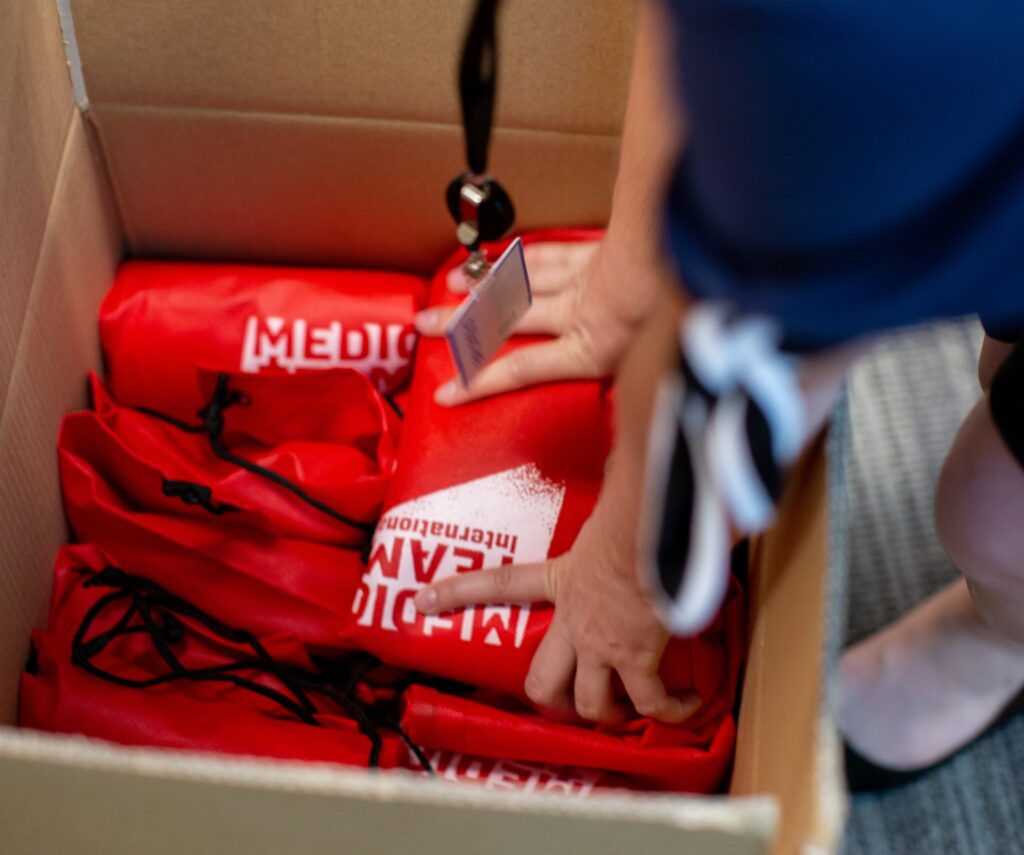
(479, 205)
(478, 77)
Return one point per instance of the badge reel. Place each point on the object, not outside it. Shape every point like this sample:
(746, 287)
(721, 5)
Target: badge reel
(483, 212)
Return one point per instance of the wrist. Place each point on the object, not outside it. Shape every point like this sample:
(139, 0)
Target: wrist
(615, 516)
(634, 240)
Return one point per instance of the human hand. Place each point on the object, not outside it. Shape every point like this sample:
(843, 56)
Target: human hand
(602, 625)
(591, 296)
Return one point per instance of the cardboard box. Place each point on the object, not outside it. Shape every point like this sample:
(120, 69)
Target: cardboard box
(323, 132)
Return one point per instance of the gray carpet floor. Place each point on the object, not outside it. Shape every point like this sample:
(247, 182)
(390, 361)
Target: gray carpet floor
(906, 402)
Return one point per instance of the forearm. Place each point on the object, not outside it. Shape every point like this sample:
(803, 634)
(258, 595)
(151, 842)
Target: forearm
(653, 351)
(652, 137)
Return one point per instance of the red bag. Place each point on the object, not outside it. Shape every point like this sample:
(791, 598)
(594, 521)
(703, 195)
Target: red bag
(504, 480)
(242, 576)
(328, 433)
(497, 774)
(651, 755)
(88, 668)
(693, 756)
(162, 320)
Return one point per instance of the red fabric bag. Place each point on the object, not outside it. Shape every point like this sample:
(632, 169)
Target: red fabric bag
(70, 686)
(329, 433)
(693, 756)
(514, 775)
(504, 480)
(242, 576)
(648, 754)
(163, 320)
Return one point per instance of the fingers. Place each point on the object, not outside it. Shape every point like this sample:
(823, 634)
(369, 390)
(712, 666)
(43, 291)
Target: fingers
(550, 675)
(525, 583)
(553, 266)
(648, 695)
(594, 698)
(433, 321)
(547, 315)
(459, 282)
(546, 362)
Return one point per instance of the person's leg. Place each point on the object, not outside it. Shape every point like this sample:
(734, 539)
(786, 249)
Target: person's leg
(979, 504)
(925, 686)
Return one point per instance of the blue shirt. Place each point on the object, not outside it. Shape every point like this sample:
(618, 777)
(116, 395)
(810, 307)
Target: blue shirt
(853, 165)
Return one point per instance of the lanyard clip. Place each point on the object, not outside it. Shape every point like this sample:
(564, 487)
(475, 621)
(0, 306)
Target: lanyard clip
(482, 212)
(473, 193)
(481, 208)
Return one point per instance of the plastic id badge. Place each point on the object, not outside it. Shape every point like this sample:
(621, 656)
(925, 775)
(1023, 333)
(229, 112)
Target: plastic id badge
(486, 317)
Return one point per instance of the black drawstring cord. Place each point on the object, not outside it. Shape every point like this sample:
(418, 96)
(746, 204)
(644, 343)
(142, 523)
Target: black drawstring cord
(213, 426)
(145, 597)
(385, 715)
(192, 493)
(144, 594)
(390, 401)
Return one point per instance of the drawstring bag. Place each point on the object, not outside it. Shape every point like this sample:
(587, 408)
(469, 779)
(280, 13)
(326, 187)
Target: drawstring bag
(241, 576)
(514, 775)
(125, 660)
(163, 320)
(499, 481)
(692, 756)
(647, 754)
(305, 457)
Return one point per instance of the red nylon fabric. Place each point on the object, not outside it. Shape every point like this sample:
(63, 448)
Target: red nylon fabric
(329, 433)
(515, 776)
(693, 756)
(504, 480)
(440, 721)
(161, 320)
(220, 717)
(242, 576)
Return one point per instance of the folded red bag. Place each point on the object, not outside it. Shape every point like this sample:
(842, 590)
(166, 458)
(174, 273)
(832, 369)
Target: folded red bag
(503, 480)
(516, 776)
(693, 756)
(163, 320)
(240, 575)
(307, 457)
(127, 662)
(649, 754)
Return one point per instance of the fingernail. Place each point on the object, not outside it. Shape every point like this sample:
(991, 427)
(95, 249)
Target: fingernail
(458, 282)
(686, 708)
(426, 321)
(426, 599)
(446, 392)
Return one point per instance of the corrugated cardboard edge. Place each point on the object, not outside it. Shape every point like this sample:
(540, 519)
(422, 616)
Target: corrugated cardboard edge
(746, 816)
(789, 712)
(832, 794)
(67, 26)
(56, 342)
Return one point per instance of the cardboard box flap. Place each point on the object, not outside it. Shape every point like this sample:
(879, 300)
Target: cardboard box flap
(35, 112)
(197, 803)
(564, 66)
(78, 255)
(326, 133)
(359, 192)
(786, 740)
